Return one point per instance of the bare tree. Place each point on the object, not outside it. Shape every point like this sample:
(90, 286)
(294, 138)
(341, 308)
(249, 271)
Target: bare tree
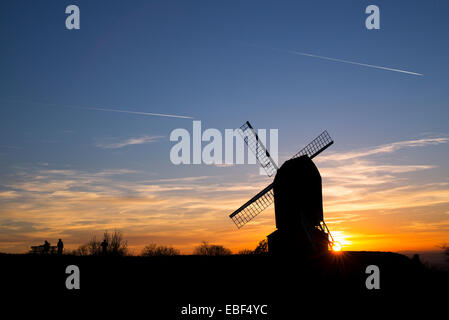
(82, 250)
(93, 247)
(205, 249)
(246, 252)
(114, 245)
(262, 247)
(117, 246)
(153, 249)
(445, 248)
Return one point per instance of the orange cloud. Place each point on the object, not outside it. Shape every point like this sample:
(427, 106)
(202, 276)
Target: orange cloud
(369, 205)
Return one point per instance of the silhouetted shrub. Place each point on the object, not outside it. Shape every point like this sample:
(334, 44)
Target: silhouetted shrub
(205, 249)
(153, 249)
(92, 248)
(262, 247)
(446, 250)
(82, 250)
(115, 246)
(246, 252)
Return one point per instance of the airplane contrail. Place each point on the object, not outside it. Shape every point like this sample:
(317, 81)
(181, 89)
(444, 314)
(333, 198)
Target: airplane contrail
(104, 109)
(346, 61)
(137, 112)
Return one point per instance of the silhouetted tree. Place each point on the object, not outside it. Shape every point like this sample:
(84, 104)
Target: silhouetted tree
(153, 249)
(205, 249)
(262, 247)
(82, 250)
(94, 247)
(246, 252)
(446, 250)
(116, 246)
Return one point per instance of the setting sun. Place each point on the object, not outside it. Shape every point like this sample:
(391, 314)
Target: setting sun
(340, 239)
(336, 246)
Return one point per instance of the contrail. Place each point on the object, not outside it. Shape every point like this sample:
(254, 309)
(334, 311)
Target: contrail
(103, 109)
(137, 112)
(346, 61)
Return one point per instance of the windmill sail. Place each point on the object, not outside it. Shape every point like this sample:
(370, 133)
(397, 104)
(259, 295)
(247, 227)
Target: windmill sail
(265, 198)
(251, 138)
(253, 207)
(318, 145)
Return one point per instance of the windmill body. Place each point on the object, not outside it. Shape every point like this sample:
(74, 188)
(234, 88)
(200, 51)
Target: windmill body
(298, 204)
(297, 195)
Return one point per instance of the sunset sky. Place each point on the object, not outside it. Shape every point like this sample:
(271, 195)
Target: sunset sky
(70, 170)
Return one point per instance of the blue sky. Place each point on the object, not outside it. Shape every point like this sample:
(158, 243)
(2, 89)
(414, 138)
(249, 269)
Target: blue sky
(214, 61)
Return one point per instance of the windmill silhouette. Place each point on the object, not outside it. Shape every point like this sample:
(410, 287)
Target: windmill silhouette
(297, 195)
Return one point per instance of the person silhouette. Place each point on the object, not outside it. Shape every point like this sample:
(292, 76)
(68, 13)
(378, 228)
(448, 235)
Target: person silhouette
(104, 247)
(60, 246)
(46, 246)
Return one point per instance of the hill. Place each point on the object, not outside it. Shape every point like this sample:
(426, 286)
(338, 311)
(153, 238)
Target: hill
(170, 283)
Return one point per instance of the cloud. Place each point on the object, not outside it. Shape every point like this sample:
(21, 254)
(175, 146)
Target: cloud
(353, 181)
(46, 203)
(382, 149)
(391, 198)
(128, 142)
(8, 194)
(75, 204)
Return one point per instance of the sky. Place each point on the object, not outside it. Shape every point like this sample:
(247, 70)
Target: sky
(82, 151)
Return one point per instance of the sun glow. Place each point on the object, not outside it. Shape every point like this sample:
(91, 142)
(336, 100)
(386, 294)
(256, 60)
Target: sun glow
(336, 246)
(340, 240)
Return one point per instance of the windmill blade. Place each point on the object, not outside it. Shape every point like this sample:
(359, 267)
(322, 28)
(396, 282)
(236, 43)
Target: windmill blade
(251, 138)
(318, 145)
(253, 207)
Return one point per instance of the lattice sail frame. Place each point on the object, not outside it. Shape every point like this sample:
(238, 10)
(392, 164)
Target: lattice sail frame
(253, 207)
(318, 145)
(251, 138)
(265, 198)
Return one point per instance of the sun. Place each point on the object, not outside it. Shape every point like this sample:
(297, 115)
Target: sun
(338, 240)
(336, 246)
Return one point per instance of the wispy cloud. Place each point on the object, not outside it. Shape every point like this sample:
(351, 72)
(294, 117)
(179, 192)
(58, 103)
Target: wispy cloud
(128, 142)
(75, 204)
(386, 148)
(360, 185)
(367, 201)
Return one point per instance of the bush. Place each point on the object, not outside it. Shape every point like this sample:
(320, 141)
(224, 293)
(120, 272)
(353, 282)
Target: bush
(262, 247)
(445, 248)
(153, 250)
(246, 252)
(115, 245)
(82, 250)
(206, 249)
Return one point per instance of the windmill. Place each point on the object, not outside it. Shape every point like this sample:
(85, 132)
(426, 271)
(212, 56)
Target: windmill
(297, 195)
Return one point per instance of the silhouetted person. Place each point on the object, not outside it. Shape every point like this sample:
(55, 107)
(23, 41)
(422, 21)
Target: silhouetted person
(104, 247)
(46, 246)
(60, 246)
